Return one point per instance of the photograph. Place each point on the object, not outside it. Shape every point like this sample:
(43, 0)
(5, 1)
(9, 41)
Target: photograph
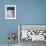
(10, 11)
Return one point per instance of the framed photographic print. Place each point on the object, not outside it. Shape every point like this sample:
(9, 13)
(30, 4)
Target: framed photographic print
(10, 11)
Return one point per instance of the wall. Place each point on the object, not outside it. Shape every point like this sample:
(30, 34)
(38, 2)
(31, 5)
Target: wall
(31, 11)
(27, 12)
(6, 26)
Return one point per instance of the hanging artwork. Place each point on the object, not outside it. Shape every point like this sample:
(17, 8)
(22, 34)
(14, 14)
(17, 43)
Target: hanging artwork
(10, 11)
